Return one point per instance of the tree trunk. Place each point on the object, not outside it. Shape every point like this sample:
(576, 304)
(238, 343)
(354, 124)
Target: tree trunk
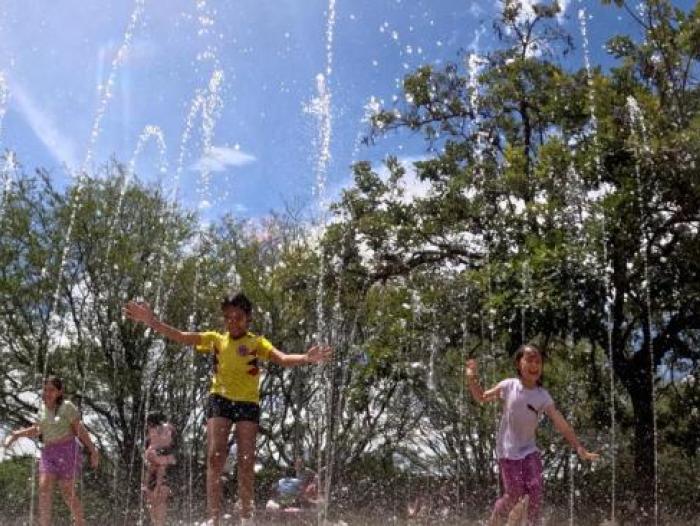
(636, 379)
(634, 373)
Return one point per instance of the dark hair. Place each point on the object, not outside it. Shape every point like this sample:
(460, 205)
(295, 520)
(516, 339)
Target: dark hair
(520, 352)
(155, 419)
(240, 301)
(58, 384)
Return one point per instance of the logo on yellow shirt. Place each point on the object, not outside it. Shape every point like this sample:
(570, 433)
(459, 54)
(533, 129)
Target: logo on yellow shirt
(254, 370)
(253, 364)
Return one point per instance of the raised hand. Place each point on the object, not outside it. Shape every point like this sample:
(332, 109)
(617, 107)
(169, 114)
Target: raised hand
(319, 353)
(471, 370)
(9, 440)
(138, 311)
(584, 454)
(94, 459)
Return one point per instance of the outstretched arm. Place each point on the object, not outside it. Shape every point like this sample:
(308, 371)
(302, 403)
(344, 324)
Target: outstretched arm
(26, 432)
(471, 376)
(142, 313)
(315, 354)
(568, 433)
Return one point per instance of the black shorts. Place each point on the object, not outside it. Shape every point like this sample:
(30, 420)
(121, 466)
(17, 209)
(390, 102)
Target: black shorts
(218, 406)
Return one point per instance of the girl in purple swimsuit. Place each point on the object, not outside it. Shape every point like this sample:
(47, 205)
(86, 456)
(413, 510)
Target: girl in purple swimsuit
(159, 455)
(60, 429)
(524, 401)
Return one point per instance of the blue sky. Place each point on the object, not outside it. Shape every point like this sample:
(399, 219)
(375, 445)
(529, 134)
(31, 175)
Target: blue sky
(263, 139)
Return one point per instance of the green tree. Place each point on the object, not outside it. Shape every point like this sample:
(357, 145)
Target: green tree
(534, 201)
(62, 300)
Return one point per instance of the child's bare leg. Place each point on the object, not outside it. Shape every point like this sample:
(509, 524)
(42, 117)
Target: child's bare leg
(518, 515)
(513, 490)
(246, 432)
(495, 519)
(148, 495)
(532, 473)
(72, 501)
(160, 505)
(45, 498)
(218, 429)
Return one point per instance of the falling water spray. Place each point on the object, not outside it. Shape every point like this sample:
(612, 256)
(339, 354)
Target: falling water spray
(639, 130)
(320, 108)
(606, 269)
(4, 96)
(56, 325)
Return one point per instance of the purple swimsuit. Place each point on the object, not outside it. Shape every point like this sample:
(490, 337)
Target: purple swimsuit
(518, 457)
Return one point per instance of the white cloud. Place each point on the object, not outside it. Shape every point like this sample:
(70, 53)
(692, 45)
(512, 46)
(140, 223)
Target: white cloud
(475, 9)
(219, 158)
(564, 4)
(527, 12)
(42, 124)
(412, 186)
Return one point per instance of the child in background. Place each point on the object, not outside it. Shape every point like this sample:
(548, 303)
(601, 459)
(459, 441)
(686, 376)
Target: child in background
(235, 392)
(524, 401)
(310, 490)
(285, 493)
(159, 455)
(58, 424)
(297, 491)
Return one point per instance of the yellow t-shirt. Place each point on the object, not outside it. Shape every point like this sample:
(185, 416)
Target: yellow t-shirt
(236, 364)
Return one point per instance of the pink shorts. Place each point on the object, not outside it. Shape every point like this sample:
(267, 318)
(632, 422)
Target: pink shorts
(521, 477)
(62, 460)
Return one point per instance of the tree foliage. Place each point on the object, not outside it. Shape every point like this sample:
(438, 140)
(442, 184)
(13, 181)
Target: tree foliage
(554, 206)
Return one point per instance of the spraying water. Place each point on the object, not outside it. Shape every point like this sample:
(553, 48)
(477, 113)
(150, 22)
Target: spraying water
(474, 63)
(320, 108)
(206, 20)
(107, 89)
(150, 133)
(639, 128)
(526, 292)
(56, 325)
(107, 94)
(4, 95)
(573, 223)
(606, 267)
(207, 103)
(431, 363)
(8, 173)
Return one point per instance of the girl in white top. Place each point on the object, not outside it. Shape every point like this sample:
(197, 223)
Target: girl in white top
(524, 401)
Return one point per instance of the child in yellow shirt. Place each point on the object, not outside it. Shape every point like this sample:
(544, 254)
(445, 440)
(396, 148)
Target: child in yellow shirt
(234, 394)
